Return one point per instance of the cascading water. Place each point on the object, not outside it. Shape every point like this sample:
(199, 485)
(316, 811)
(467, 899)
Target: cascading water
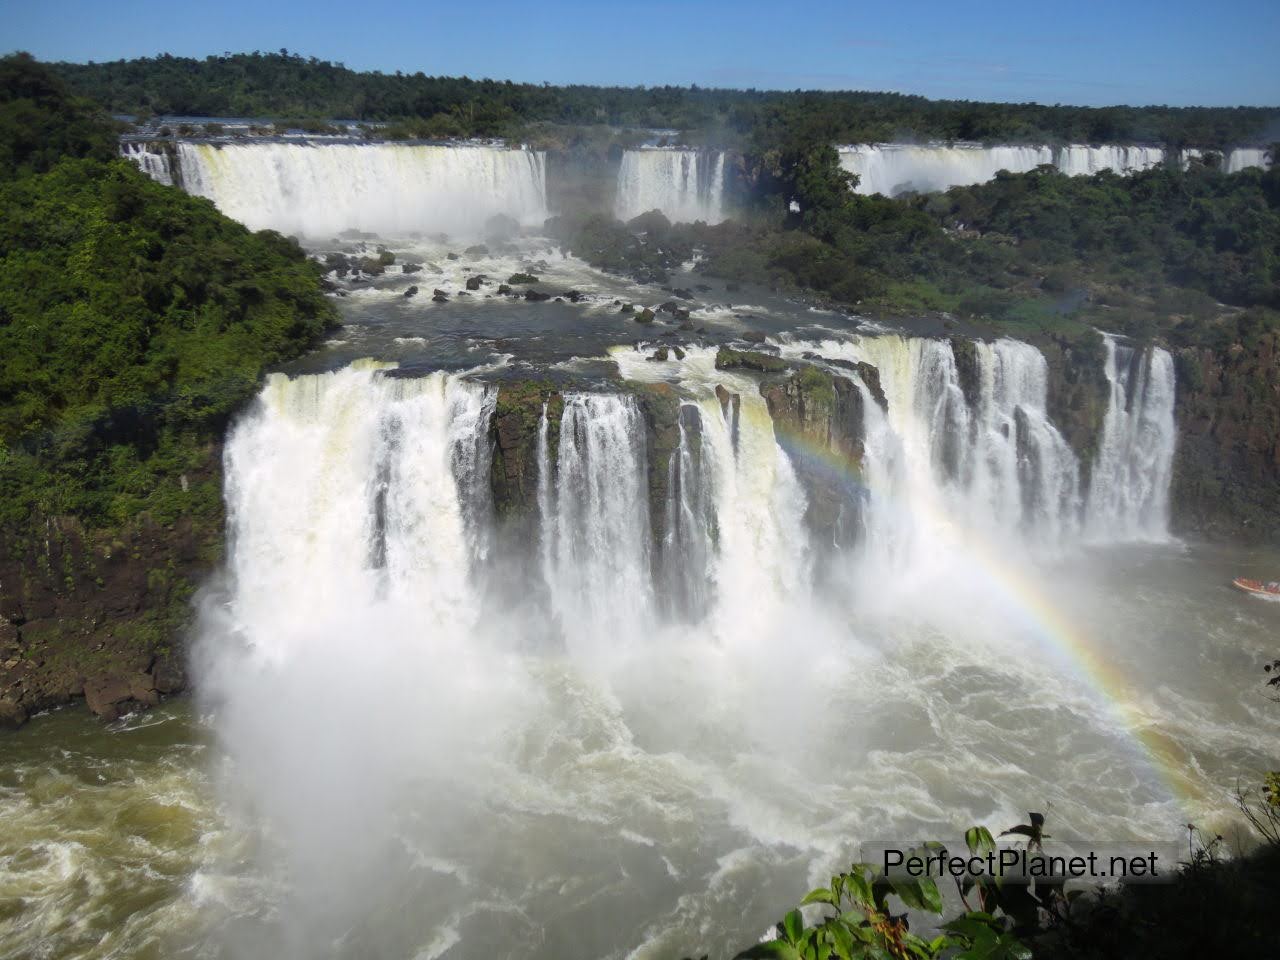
(153, 163)
(991, 462)
(356, 488)
(1129, 487)
(1078, 160)
(893, 168)
(1242, 158)
(595, 520)
(422, 761)
(320, 190)
(686, 185)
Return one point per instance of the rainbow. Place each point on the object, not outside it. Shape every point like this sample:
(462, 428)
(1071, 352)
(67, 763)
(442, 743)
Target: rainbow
(1072, 646)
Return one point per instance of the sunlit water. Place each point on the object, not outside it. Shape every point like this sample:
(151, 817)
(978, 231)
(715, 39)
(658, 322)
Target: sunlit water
(385, 761)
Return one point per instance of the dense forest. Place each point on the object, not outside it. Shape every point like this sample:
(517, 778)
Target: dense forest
(133, 318)
(275, 85)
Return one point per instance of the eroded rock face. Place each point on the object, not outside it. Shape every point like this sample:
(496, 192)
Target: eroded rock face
(816, 412)
(98, 614)
(1226, 470)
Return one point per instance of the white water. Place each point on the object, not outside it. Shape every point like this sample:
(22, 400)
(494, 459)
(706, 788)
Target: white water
(152, 163)
(1129, 490)
(1242, 158)
(587, 769)
(686, 185)
(595, 521)
(390, 189)
(941, 464)
(893, 168)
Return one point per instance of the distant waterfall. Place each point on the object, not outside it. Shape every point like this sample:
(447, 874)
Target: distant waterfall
(154, 163)
(320, 190)
(686, 185)
(354, 489)
(893, 168)
(1078, 160)
(1129, 490)
(1242, 158)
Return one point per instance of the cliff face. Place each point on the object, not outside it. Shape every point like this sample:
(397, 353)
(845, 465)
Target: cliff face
(99, 614)
(1226, 480)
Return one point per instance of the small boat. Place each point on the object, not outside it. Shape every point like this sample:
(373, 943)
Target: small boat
(1269, 590)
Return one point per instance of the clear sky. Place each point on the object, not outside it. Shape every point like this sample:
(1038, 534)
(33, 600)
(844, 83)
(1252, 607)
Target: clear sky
(1080, 51)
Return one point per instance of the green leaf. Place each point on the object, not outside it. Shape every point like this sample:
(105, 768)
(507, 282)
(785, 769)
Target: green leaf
(820, 895)
(919, 894)
(979, 840)
(859, 889)
(792, 926)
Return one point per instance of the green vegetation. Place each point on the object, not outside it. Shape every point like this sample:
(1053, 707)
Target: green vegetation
(1193, 256)
(134, 320)
(283, 84)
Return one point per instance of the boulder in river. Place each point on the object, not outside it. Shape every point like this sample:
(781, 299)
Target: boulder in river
(411, 292)
(536, 296)
(474, 283)
(522, 278)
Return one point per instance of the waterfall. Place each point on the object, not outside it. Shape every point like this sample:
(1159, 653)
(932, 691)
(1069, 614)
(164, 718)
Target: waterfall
(353, 489)
(690, 526)
(1078, 160)
(1242, 158)
(154, 163)
(686, 185)
(320, 190)
(893, 168)
(595, 520)
(940, 460)
(1129, 489)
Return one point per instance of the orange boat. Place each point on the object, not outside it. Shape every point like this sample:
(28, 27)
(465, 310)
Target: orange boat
(1259, 589)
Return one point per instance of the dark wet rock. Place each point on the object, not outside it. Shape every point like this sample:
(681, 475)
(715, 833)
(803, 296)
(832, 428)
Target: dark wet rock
(439, 297)
(536, 296)
(437, 292)
(660, 355)
(504, 290)
(474, 283)
(683, 294)
(627, 308)
(678, 352)
(411, 268)
(514, 434)
(521, 279)
(372, 266)
(451, 256)
(644, 316)
(115, 599)
(755, 336)
(574, 296)
(869, 375)
(670, 307)
(815, 408)
(411, 292)
(727, 359)
(653, 222)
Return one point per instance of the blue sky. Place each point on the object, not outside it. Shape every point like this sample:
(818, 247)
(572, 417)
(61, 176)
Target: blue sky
(1081, 51)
